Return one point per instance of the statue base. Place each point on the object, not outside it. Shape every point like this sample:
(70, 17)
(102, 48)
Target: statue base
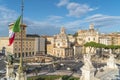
(88, 73)
(9, 71)
(21, 76)
(111, 62)
(111, 65)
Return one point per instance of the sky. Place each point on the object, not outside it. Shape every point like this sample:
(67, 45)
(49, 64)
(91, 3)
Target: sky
(46, 17)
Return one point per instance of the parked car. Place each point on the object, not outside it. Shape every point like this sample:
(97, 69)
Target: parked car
(2, 71)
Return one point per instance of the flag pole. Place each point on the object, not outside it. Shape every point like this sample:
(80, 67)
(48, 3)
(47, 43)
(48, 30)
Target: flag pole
(21, 55)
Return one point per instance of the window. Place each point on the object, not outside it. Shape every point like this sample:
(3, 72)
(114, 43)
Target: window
(58, 54)
(29, 53)
(22, 54)
(58, 44)
(23, 28)
(15, 49)
(88, 39)
(15, 55)
(18, 54)
(32, 53)
(26, 54)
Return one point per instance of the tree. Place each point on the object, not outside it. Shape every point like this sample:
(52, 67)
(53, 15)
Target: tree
(101, 48)
(65, 77)
(75, 35)
(95, 45)
(112, 47)
(91, 45)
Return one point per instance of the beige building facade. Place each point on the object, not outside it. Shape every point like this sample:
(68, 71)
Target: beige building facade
(28, 44)
(62, 47)
(110, 39)
(59, 45)
(85, 36)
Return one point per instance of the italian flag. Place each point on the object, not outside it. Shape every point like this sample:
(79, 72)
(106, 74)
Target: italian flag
(15, 28)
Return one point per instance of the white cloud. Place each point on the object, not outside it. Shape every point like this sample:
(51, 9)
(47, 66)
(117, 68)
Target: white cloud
(48, 26)
(52, 24)
(62, 3)
(49, 22)
(104, 20)
(6, 16)
(78, 10)
(41, 27)
(100, 21)
(7, 13)
(55, 18)
(75, 9)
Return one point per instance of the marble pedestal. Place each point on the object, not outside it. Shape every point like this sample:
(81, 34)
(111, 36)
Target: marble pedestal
(111, 62)
(87, 74)
(21, 76)
(87, 69)
(9, 71)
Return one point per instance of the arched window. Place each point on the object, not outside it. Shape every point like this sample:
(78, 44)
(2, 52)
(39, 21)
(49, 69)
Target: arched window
(32, 53)
(29, 53)
(22, 54)
(26, 54)
(18, 54)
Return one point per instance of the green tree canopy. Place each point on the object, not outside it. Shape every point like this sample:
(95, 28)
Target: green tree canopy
(75, 35)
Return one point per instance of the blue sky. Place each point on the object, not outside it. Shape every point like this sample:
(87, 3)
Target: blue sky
(46, 17)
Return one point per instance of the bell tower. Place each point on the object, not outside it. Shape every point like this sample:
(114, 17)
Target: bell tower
(91, 26)
(62, 30)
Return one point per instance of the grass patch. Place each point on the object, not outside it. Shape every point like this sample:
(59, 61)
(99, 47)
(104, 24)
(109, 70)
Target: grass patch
(52, 77)
(44, 77)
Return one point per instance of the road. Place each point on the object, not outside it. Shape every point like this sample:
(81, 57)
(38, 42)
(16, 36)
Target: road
(58, 72)
(2, 64)
(2, 67)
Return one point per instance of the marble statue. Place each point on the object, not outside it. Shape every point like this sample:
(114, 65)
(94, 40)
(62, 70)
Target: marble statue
(9, 59)
(87, 60)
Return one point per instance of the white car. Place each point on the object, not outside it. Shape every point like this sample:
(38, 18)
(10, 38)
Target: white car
(68, 68)
(2, 71)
